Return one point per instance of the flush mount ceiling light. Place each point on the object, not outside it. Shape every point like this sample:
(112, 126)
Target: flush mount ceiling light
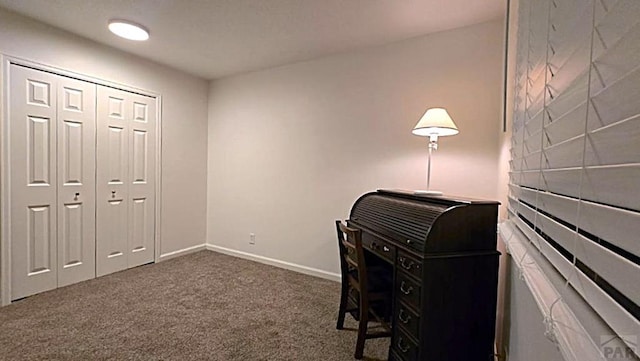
(128, 30)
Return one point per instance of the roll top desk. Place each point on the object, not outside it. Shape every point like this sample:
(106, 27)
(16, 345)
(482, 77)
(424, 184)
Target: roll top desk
(445, 264)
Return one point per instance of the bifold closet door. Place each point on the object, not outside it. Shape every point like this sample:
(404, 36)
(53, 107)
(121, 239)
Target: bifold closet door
(51, 134)
(76, 181)
(125, 180)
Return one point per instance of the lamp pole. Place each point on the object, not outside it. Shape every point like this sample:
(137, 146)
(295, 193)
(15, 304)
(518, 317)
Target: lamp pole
(433, 145)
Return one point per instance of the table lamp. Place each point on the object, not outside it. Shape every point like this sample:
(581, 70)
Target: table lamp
(434, 123)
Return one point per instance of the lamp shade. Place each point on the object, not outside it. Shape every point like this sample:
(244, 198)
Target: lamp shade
(435, 121)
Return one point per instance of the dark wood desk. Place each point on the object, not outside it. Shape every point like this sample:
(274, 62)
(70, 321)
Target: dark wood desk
(442, 252)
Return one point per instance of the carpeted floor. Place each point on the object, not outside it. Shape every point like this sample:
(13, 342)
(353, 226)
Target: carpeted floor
(203, 306)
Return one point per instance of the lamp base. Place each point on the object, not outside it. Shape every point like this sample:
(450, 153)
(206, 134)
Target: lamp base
(428, 193)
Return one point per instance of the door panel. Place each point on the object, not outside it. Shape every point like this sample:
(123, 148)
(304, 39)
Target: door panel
(142, 181)
(115, 103)
(112, 191)
(39, 240)
(139, 222)
(139, 156)
(33, 179)
(39, 86)
(76, 113)
(70, 152)
(116, 238)
(70, 239)
(39, 150)
(116, 156)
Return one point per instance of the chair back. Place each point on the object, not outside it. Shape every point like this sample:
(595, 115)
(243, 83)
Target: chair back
(355, 278)
(351, 255)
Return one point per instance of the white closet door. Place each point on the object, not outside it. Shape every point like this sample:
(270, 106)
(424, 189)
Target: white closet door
(142, 180)
(32, 139)
(112, 191)
(52, 146)
(76, 180)
(125, 180)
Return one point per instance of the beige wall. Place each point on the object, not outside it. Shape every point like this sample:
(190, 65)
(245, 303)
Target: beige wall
(184, 121)
(291, 148)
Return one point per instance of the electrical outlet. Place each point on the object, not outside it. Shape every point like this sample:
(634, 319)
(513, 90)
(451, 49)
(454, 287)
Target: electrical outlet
(252, 238)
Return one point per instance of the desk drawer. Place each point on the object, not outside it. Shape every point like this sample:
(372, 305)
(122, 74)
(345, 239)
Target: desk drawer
(405, 318)
(409, 264)
(381, 248)
(403, 347)
(408, 290)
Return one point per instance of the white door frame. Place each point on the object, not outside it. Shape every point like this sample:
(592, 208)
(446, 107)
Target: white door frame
(5, 168)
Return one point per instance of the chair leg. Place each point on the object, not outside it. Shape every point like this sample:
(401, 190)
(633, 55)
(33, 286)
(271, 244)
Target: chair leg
(343, 305)
(362, 332)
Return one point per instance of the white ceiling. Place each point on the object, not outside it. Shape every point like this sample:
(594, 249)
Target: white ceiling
(216, 38)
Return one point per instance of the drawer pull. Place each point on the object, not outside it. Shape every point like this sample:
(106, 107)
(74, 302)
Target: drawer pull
(409, 241)
(402, 348)
(406, 291)
(403, 263)
(374, 245)
(404, 317)
(386, 249)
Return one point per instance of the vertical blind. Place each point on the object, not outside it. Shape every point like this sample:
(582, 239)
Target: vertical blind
(574, 182)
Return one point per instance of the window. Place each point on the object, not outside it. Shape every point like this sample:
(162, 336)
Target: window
(574, 192)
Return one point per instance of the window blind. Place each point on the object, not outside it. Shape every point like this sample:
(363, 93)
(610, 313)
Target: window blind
(574, 181)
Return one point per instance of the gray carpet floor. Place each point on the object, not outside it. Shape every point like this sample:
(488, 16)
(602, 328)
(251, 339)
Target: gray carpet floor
(203, 306)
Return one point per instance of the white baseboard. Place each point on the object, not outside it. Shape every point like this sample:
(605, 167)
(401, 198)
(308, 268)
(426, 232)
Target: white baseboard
(277, 263)
(182, 252)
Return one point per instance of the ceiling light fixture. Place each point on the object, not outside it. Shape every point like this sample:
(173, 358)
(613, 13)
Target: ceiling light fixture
(128, 30)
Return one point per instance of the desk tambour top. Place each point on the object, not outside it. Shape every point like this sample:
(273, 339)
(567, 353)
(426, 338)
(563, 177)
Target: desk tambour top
(443, 252)
(428, 225)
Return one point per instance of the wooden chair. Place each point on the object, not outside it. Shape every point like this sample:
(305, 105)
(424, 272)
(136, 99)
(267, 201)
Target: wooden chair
(365, 293)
